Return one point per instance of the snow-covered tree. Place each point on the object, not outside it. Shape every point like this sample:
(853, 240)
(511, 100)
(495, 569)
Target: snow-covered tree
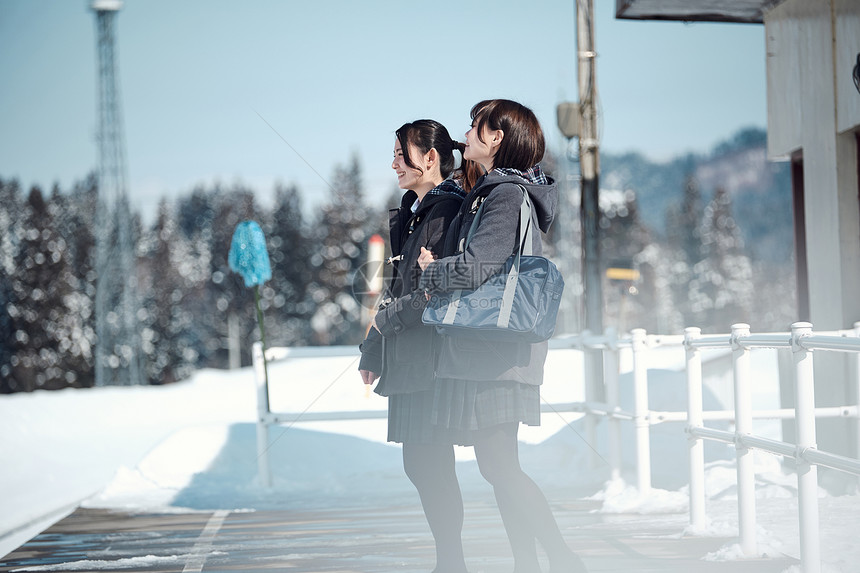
(684, 246)
(76, 325)
(711, 274)
(11, 231)
(627, 243)
(722, 288)
(192, 255)
(40, 284)
(655, 304)
(343, 235)
(167, 322)
(685, 230)
(290, 249)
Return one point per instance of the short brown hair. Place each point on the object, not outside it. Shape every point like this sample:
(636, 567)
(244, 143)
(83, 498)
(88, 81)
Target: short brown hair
(523, 145)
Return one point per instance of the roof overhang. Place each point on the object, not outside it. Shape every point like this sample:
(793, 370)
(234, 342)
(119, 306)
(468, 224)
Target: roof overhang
(742, 11)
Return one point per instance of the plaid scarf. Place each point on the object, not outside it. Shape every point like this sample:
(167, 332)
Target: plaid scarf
(532, 175)
(447, 186)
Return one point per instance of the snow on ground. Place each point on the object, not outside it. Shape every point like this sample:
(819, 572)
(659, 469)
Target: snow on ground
(114, 564)
(192, 446)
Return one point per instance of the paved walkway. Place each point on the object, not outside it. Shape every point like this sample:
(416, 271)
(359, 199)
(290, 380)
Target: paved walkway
(358, 540)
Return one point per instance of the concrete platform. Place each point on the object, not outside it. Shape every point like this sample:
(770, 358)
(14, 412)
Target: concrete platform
(354, 540)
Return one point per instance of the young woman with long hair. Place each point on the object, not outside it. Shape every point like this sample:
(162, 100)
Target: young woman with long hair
(398, 346)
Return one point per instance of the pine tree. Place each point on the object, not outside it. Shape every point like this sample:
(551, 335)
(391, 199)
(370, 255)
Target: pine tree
(688, 230)
(685, 243)
(342, 249)
(79, 234)
(167, 324)
(290, 250)
(723, 278)
(76, 323)
(192, 261)
(626, 242)
(657, 308)
(11, 231)
(40, 285)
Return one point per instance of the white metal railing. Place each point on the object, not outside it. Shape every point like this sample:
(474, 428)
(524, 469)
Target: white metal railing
(608, 345)
(801, 341)
(266, 418)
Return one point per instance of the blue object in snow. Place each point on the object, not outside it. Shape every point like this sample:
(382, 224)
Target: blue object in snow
(248, 255)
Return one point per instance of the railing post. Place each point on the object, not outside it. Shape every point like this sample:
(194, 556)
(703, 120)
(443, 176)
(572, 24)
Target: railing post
(855, 356)
(610, 372)
(592, 365)
(263, 414)
(640, 412)
(743, 427)
(807, 473)
(694, 420)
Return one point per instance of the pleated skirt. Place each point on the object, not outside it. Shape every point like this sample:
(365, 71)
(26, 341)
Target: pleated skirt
(454, 410)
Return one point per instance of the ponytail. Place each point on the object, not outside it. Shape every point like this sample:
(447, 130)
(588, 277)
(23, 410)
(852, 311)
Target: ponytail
(427, 134)
(469, 171)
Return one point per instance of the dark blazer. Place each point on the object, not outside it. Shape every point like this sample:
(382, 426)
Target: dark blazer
(404, 353)
(470, 357)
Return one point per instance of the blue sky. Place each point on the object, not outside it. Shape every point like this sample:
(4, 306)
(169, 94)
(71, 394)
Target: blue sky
(336, 77)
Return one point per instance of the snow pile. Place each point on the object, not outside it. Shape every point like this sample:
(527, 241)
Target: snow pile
(733, 552)
(124, 563)
(310, 469)
(618, 497)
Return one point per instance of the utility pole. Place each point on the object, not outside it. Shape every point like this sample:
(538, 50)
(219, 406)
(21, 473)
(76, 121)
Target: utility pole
(589, 164)
(589, 168)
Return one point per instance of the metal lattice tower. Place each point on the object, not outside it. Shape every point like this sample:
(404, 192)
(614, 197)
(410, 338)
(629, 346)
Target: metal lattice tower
(118, 347)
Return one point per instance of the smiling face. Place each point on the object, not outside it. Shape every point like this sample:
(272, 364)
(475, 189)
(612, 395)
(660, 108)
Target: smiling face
(407, 177)
(421, 178)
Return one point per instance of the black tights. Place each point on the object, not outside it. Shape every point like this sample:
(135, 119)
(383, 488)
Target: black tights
(524, 509)
(431, 469)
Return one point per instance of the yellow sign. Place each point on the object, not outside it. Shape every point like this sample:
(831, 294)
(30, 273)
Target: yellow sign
(617, 274)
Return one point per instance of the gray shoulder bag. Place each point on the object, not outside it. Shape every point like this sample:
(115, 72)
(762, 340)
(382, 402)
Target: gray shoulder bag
(518, 304)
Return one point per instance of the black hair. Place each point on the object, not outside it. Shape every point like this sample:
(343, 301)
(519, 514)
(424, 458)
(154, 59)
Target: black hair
(427, 134)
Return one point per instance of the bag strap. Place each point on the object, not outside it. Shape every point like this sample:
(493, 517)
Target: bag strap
(524, 247)
(475, 208)
(524, 242)
(478, 205)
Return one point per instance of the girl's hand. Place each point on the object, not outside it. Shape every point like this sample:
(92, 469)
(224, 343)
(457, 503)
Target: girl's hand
(425, 258)
(368, 377)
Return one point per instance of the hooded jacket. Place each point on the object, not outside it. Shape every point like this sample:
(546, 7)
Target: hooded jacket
(402, 350)
(494, 240)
